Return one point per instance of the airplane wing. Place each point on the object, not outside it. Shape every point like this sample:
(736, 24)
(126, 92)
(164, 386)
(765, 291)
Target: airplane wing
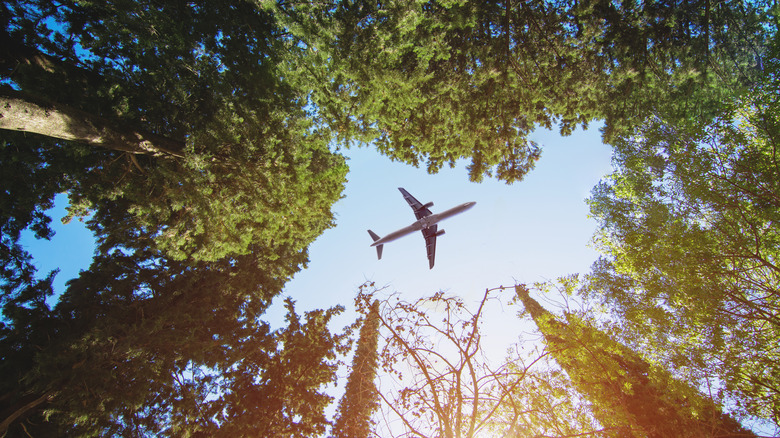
(420, 211)
(430, 243)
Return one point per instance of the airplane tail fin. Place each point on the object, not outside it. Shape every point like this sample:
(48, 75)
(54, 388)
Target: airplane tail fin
(379, 247)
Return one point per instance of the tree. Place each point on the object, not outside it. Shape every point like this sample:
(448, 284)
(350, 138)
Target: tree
(361, 399)
(439, 382)
(200, 121)
(182, 130)
(280, 391)
(434, 82)
(630, 396)
(152, 346)
(687, 227)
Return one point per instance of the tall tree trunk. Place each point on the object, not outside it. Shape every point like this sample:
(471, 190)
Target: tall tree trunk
(22, 112)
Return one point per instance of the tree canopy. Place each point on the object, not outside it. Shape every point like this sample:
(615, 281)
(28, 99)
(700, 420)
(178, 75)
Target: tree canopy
(434, 82)
(630, 397)
(199, 139)
(180, 129)
(688, 225)
(233, 153)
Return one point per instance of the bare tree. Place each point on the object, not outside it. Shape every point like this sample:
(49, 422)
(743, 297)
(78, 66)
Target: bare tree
(439, 381)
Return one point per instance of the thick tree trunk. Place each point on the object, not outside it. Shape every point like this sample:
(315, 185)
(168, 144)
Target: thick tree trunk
(20, 112)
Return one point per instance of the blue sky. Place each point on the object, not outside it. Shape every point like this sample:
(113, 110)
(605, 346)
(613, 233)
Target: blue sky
(533, 230)
(530, 231)
(70, 250)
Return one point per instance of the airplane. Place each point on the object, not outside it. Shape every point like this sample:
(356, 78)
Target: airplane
(426, 222)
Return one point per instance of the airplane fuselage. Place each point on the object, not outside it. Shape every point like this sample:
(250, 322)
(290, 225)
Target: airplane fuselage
(424, 222)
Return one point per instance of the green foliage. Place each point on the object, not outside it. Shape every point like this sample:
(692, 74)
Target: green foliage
(630, 397)
(162, 333)
(219, 83)
(688, 227)
(278, 390)
(143, 345)
(544, 403)
(434, 82)
(30, 178)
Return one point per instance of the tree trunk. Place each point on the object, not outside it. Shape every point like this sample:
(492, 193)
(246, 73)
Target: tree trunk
(21, 112)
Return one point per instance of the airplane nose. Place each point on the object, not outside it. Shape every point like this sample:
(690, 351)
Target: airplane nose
(470, 204)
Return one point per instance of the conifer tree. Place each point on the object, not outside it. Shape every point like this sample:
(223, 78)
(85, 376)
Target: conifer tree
(689, 241)
(200, 131)
(360, 399)
(429, 83)
(629, 395)
(182, 128)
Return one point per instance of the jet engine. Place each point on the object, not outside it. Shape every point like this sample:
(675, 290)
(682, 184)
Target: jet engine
(428, 205)
(439, 233)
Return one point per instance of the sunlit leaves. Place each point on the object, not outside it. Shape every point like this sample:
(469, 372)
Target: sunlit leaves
(688, 224)
(629, 396)
(429, 83)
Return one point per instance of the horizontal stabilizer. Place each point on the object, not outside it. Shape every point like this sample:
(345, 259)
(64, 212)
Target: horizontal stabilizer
(379, 247)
